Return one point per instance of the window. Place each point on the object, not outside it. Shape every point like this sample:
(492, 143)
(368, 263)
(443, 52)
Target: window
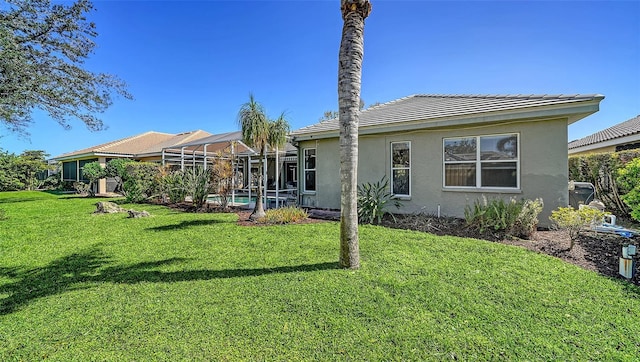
(401, 168)
(310, 169)
(482, 161)
(70, 171)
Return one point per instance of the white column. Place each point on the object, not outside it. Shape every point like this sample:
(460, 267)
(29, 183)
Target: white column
(205, 157)
(277, 179)
(182, 159)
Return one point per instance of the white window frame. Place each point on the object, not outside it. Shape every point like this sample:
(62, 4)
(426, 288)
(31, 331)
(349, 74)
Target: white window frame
(478, 163)
(305, 169)
(400, 168)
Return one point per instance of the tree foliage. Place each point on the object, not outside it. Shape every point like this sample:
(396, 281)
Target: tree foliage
(93, 171)
(259, 132)
(629, 181)
(575, 221)
(601, 170)
(42, 52)
(20, 172)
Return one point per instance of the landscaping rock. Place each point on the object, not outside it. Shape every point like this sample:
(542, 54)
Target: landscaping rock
(106, 207)
(136, 214)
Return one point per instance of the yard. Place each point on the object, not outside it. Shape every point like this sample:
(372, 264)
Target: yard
(197, 286)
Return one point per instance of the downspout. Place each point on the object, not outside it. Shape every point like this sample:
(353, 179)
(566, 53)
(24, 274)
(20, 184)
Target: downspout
(163, 157)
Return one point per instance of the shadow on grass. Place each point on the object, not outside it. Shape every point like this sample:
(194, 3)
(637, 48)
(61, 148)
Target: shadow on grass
(188, 224)
(77, 271)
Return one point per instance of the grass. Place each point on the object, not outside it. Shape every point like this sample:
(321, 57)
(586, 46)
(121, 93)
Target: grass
(174, 286)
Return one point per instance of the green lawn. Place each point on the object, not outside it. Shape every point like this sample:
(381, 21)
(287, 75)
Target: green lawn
(77, 286)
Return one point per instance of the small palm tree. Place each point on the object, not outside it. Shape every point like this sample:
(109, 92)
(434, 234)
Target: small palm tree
(259, 133)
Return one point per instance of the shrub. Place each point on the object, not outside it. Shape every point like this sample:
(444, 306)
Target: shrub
(629, 181)
(93, 172)
(52, 182)
(527, 219)
(601, 170)
(140, 182)
(197, 182)
(117, 169)
(284, 215)
(81, 188)
(575, 221)
(373, 200)
(222, 179)
(514, 218)
(173, 185)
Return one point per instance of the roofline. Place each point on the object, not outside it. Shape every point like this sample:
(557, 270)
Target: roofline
(572, 111)
(93, 154)
(608, 143)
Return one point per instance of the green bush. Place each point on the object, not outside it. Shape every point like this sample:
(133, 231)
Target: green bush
(284, 215)
(575, 221)
(173, 185)
(629, 181)
(601, 169)
(514, 218)
(197, 182)
(117, 169)
(140, 181)
(81, 188)
(373, 199)
(527, 220)
(93, 172)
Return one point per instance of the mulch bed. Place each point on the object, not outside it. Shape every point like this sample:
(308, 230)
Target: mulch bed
(597, 252)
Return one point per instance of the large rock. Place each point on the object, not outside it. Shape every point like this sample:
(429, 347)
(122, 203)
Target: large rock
(106, 207)
(137, 214)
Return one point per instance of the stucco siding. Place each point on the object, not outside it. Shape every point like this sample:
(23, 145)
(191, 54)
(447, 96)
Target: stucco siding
(543, 167)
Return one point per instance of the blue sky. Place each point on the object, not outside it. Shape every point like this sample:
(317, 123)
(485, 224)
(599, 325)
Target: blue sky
(192, 64)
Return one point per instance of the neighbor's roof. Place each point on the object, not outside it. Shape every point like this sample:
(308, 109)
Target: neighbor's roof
(146, 143)
(627, 128)
(442, 110)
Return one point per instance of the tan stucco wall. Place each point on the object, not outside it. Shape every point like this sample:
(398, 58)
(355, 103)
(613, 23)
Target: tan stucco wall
(595, 150)
(543, 167)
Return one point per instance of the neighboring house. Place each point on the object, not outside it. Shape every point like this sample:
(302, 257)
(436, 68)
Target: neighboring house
(186, 150)
(622, 136)
(147, 146)
(443, 152)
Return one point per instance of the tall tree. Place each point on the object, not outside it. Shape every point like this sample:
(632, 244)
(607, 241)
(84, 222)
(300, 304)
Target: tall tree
(349, 82)
(258, 132)
(42, 51)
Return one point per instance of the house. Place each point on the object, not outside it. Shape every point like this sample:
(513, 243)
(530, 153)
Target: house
(189, 149)
(620, 137)
(147, 146)
(443, 152)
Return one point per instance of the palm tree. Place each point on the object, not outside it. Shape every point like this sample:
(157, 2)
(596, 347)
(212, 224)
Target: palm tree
(259, 133)
(349, 81)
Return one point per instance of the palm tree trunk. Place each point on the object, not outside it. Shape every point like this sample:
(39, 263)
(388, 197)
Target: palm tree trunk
(349, 80)
(258, 210)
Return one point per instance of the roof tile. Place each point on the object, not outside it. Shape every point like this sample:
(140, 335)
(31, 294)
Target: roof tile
(431, 107)
(619, 130)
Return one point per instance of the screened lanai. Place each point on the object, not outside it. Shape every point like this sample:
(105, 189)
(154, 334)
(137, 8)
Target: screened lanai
(280, 171)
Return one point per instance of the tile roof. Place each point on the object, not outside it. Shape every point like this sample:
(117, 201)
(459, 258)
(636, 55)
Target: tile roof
(432, 107)
(144, 143)
(619, 130)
